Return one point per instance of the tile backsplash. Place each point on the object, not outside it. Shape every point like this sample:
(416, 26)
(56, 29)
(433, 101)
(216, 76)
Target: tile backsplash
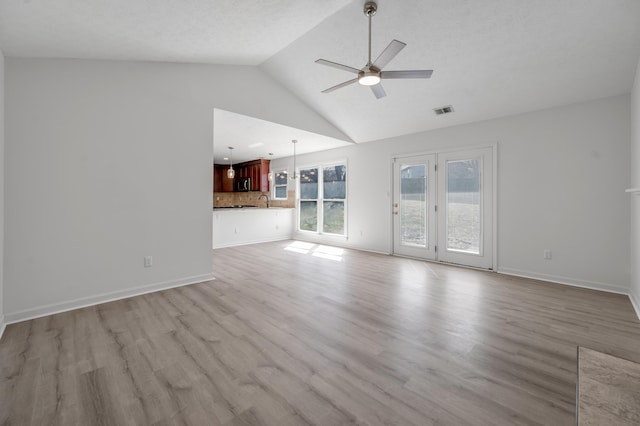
(225, 199)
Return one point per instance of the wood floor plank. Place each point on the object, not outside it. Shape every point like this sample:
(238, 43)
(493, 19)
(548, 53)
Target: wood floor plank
(283, 337)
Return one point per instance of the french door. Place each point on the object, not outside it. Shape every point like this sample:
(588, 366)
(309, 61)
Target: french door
(443, 207)
(414, 224)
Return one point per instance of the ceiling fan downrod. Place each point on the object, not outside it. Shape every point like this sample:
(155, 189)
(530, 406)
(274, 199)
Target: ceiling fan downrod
(370, 9)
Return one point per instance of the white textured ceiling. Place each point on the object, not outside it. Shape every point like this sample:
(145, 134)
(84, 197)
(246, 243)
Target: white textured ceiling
(252, 138)
(210, 31)
(490, 58)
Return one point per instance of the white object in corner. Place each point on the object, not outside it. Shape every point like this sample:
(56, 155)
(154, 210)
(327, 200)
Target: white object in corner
(633, 191)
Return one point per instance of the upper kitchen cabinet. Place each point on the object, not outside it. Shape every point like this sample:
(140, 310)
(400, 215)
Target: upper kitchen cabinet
(257, 170)
(221, 183)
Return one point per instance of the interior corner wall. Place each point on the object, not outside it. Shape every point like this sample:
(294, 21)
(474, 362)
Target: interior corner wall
(561, 179)
(635, 199)
(2, 169)
(108, 162)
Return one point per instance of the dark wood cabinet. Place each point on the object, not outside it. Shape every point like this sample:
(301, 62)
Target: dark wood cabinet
(221, 183)
(257, 170)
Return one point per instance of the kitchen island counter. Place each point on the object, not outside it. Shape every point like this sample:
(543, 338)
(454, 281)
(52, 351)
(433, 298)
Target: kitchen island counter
(249, 225)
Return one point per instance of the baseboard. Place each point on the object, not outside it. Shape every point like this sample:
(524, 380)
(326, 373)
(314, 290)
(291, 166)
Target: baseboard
(341, 242)
(635, 302)
(3, 325)
(246, 243)
(592, 285)
(83, 302)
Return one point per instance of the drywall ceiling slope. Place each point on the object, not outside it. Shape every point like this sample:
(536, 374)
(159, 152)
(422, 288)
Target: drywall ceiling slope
(490, 59)
(253, 138)
(208, 31)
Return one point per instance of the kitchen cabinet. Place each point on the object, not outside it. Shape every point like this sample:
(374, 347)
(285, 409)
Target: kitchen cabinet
(257, 170)
(221, 183)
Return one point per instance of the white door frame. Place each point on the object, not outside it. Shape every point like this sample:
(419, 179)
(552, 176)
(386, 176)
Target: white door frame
(426, 251)
(494, 185)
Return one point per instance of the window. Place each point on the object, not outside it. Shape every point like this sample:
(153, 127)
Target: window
(463, 205)
(280, 185)
(323, 196)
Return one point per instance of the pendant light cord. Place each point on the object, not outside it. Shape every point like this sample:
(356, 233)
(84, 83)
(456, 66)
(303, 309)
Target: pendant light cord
(295, 176)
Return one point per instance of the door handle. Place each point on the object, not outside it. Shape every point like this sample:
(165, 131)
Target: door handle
(395, 212)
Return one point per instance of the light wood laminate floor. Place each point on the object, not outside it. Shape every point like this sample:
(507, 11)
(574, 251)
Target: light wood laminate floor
(290, 335)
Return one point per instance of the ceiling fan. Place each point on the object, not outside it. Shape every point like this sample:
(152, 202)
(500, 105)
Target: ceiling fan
(372, 72)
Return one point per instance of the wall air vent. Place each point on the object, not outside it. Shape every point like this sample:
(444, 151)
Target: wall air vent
(443, 110)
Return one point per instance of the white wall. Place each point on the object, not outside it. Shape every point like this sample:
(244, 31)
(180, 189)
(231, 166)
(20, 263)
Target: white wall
(561, 179)
(108, 162)
(235, 227)
(2, 168)
(635, 199)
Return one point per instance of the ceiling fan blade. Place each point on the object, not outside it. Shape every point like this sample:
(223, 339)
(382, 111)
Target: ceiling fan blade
(339, 86)
(406, 74)
(378, 90)
(338, 66)
(389, 53)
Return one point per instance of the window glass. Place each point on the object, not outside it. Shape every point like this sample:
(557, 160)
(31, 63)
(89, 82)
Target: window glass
(309, 184)
(463, 205)
(281, 178)
(333, 217)
(309, 215)
(280, 193)
(413, 205)
(334, 182)
(280, 185)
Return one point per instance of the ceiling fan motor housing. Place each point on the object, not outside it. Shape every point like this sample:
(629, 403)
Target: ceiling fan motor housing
(370, 8)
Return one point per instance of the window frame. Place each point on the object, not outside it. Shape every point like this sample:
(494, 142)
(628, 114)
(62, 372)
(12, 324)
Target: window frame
(320, 166)
(286, 185)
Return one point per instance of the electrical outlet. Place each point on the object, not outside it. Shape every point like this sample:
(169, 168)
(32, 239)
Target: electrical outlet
(546, 255)
(148, 261)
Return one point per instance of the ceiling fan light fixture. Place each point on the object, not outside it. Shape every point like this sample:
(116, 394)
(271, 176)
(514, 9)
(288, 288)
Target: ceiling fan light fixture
(369, 78)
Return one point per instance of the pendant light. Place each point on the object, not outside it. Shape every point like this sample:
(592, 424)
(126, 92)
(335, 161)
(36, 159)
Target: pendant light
(270, 176)
(230, 172)
(294, 176)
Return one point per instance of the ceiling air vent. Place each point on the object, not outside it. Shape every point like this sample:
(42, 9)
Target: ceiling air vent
(443, 110)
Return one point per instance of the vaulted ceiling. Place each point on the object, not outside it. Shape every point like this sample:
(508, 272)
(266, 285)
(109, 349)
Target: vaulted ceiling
(490, 58)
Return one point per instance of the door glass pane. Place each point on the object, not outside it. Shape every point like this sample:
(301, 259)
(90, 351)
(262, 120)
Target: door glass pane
(413, 205)
(309, 215)
(463, 206)
(333, 217)
(309, 184)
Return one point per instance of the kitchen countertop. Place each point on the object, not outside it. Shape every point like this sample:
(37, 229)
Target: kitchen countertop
(248, 208)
